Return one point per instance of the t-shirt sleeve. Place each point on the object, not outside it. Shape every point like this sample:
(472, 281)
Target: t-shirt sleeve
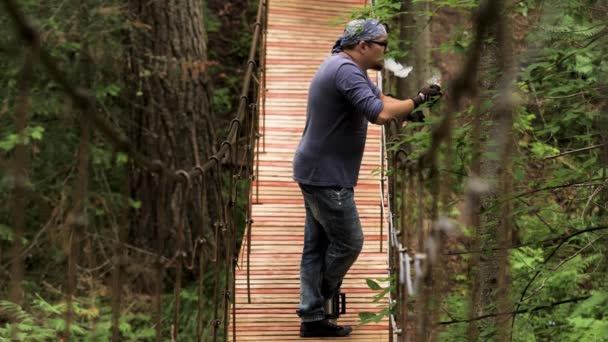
(355, 86)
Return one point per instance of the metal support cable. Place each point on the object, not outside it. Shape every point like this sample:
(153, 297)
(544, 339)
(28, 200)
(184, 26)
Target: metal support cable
(183, 190)
(251, 178)
(262, 91)
(229, 236)
(160, 259)
(202, 262)
(238, 175)
(218, 228)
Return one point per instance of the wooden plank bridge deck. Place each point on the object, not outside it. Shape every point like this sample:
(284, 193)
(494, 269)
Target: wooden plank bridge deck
(300, 35)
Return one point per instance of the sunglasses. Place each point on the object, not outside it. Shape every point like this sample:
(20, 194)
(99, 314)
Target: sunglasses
(383, 44)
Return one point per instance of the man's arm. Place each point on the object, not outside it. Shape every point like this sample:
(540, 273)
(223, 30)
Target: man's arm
(394, 108)
(398, 109)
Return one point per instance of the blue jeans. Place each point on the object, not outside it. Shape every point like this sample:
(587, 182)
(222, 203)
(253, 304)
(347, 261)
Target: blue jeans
(333, 239)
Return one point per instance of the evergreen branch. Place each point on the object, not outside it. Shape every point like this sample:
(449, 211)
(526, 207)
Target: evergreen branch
(567, 185)
(578, 31)
(566, 96)
(561, 238)
(538, 215)
(592, 40)
(587, 182)
(566, 239)
(576, 151)
(517, 312)
(574, 255)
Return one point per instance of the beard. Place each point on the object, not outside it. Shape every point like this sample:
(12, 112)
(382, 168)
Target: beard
(378, 66)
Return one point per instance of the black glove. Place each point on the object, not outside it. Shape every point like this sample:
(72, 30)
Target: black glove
(427, 93)
(416, 116)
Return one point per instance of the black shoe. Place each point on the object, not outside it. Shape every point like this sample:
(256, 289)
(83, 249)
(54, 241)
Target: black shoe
(323, 328)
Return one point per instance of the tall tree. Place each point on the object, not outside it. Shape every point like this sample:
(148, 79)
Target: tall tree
(492, 279)
(169, 121)
(169, 118)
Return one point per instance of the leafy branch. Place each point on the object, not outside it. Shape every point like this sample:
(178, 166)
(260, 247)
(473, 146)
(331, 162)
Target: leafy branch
(561, 239)
(516, 312)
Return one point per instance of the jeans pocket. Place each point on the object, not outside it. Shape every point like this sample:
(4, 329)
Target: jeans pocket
(338, 194)
(340, 198)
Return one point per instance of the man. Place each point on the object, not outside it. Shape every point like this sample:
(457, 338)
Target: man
(341, 100)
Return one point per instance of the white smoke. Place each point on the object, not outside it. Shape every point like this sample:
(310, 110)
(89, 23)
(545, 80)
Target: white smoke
(435, 79)
(400, 70)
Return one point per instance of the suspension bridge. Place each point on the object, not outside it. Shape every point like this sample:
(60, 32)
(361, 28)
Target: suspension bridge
(257, 299)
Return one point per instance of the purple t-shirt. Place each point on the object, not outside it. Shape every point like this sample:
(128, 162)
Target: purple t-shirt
(341, 101)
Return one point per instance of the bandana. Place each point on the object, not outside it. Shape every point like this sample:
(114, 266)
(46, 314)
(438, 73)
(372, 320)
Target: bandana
(358, 30)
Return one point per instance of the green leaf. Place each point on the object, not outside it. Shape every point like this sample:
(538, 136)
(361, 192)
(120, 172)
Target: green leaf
(366, 316)
(102, 92)
(121, 158)
(460, 48)
(134, 204)
(36, 132)
(72, 46)
(373, 285)
(584, 64)
(6, 233)
(9, 142)
(15, 312)
(145, 73)
(146, 332)
(380, 295)
(124, 327)
(543, 150)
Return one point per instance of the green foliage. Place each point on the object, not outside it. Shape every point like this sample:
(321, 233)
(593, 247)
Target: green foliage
(45, 321)
(12, 140)
(589, 322)
(367, 317)
(383, 10)
(461, 39)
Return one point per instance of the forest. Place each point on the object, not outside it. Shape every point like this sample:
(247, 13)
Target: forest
(127, 136)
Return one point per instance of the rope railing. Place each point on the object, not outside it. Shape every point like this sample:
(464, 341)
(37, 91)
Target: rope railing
(176, 185)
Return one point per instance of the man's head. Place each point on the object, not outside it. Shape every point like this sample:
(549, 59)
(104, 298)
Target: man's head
(367, 39)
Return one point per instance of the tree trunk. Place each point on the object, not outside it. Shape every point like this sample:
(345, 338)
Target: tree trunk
(169, 118)
(490, 168)
(494, 234)
(415, 37)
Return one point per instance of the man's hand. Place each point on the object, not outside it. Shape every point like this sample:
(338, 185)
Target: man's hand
(427, 93)
(415, 116)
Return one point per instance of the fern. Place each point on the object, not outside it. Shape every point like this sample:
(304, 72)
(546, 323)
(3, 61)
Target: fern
(15, 313)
